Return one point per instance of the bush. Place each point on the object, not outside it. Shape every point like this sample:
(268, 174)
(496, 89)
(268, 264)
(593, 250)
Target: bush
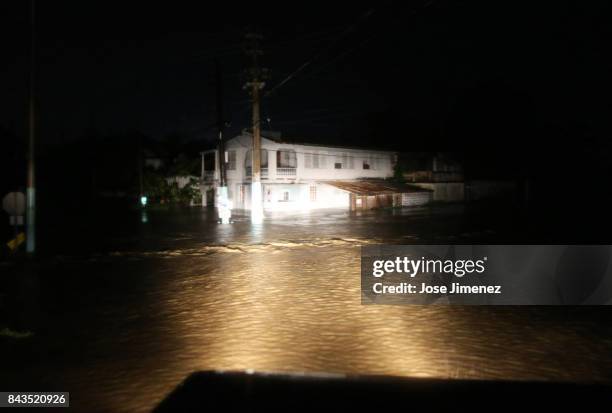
(160, 189)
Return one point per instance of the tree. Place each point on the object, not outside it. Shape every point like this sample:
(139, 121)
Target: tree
(398, 172)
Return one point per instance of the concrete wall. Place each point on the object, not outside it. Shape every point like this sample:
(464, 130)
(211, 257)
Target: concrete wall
(416, 198)
(364, 202)
(299, 196)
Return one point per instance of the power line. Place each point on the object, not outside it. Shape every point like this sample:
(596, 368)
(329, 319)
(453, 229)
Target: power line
(345, 53)
(238, 47)
(340, 56)
(367, 40)
(304, 65)
(328, 116)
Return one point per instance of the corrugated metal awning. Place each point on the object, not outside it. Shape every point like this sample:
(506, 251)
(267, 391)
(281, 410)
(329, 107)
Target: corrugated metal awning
(375, 187)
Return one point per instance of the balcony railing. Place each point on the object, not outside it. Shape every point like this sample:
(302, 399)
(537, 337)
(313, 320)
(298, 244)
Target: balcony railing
(209, 176)
(249, 172)
(280, 172)
(285, 171)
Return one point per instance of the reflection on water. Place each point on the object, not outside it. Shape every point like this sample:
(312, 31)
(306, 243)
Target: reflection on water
(152, 317)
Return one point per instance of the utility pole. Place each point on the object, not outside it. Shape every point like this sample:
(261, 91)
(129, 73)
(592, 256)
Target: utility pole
(256, 82)
(140, 154)
(220, 123)
(31, 188)
(224, 206)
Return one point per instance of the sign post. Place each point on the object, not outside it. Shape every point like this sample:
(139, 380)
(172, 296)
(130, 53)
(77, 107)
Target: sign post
(14, 203)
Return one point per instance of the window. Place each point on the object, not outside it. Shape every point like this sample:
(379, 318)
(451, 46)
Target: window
(231, 160)
(349, 163)
(344, 161)
(264, 158)
(313, 193)
(285, 196)
(248, 160)
(286, 159)
(314, 161)
(366, 164)
(338, 162)
(373, 162)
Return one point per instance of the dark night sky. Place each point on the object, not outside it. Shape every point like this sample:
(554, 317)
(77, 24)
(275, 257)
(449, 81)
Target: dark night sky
(425, 75)
(517, 89)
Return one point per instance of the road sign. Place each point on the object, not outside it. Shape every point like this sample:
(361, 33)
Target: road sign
(14, 203)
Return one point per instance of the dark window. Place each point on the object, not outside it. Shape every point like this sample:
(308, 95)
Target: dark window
(210, 161)
(248, 159)
(231, 160)
(338, 165)
(366, 165)
(241, 187)
(286, 159)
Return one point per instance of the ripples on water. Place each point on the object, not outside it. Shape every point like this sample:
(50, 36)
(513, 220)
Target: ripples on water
(293, 306)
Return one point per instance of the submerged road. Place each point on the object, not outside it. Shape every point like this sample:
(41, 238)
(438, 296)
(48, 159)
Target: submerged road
(121, 327)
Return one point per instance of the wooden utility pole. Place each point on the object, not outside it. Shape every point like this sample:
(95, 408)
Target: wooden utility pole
(256, 82)
(256, 133)
(140, 154)
(224, 206)
(220, 123)
(31, 187)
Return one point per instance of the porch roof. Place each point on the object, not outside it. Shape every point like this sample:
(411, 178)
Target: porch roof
(375, 187)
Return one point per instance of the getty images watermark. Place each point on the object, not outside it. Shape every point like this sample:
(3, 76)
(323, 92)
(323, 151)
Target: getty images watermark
(487, 274)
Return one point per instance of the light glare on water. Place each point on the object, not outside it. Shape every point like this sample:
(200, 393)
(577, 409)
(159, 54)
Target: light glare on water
(289, 300)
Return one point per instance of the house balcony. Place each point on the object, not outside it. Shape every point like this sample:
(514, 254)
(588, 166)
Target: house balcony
(286, 172)
(248, 172)
(281, 174)
(209, 176)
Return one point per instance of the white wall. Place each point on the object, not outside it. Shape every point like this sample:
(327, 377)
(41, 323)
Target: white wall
(381, 162)
(298, 186)
(325, 196)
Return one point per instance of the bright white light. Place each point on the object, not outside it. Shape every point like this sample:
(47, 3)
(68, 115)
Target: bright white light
(256, 203)
(143, 200)
(225, 205)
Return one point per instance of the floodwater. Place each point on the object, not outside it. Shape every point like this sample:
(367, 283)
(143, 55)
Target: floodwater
(122, 321)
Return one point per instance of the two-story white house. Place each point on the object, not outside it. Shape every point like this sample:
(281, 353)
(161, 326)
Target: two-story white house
(302, 176)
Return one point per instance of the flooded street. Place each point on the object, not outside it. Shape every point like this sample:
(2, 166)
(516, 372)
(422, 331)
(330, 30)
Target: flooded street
(120, 328)
(400, 158)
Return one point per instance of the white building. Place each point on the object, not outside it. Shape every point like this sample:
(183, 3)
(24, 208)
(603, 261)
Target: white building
(297, 176)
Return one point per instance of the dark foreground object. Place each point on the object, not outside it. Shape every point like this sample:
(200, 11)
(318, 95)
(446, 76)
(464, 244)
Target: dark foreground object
(211, 391)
